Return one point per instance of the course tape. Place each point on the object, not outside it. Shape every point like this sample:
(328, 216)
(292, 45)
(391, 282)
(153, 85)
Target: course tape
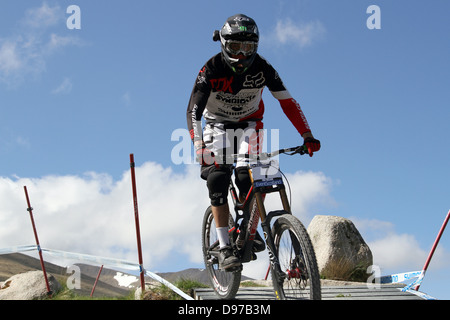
(417, 276)
(400, 277)
(421, 294)
(110, 262)
(18, 249)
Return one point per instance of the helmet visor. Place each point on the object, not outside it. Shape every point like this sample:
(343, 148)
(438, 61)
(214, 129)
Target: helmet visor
(247, 48)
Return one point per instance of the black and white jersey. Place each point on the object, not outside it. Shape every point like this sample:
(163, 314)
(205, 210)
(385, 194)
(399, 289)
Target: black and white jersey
(222, 96)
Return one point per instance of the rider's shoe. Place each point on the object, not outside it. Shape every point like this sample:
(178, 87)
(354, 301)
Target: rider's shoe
(227, 260)
(254, 256)
(258, 244)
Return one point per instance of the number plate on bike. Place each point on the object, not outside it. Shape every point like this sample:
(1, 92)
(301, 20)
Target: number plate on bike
(266, 174)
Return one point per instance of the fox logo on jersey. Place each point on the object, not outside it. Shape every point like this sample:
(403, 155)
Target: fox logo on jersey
(254, 81)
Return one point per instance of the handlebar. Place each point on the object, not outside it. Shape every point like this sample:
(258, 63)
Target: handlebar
(265, 155)
(289, 151)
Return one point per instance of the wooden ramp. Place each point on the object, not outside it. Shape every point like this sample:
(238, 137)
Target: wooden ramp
(385, 292)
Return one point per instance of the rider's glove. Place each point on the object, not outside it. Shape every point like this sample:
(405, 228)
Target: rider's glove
(312, 144)
(205, 156)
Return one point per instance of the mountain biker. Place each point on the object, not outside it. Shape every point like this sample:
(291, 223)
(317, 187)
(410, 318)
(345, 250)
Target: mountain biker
(227, 93)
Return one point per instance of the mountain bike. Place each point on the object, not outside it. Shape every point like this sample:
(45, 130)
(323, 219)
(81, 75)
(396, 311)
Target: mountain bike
(293, 263)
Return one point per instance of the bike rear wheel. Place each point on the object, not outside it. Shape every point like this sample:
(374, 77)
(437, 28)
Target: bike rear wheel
(225, 283)
(299, 278)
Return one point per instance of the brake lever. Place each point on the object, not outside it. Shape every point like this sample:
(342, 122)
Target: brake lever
(300, 150)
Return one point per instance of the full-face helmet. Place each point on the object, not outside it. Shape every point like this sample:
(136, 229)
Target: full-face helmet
(239, 37)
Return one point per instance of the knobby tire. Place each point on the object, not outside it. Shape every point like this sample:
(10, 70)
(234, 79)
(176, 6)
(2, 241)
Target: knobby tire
(225, 283)
(295, 253)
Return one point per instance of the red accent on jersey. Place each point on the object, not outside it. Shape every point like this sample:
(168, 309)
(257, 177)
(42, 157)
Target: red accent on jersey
(294, 112)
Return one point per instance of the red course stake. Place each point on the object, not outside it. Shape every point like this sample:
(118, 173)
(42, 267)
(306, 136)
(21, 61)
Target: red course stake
(30, 210)
(136, 216)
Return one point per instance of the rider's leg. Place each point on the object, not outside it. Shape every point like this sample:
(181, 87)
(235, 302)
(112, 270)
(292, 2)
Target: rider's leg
(243, 182)
(218, 181)
(220, 215)
(226, 258)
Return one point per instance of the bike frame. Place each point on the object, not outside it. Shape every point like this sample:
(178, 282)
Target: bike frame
(242, 232)
(256, 210)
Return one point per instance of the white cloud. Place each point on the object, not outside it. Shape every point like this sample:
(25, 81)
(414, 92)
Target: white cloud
(22, 141)
(26, 52)
(57, 41)
(397, 252)
(43, 17)
(300, 35)
(93, 214)
(126, 99)
(64, 88)
(9, 59)
(309, 189)
(10, 139)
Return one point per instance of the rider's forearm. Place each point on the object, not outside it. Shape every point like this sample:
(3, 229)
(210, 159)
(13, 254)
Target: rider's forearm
(295, 114)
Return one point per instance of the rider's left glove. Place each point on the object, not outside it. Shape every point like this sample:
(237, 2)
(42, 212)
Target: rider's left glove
(312, 144)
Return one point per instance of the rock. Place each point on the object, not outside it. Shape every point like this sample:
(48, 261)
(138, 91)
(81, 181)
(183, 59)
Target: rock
(341, 252)
(28, 286)
(149, 293)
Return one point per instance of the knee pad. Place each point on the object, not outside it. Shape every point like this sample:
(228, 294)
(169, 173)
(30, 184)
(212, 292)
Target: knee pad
(218, 181)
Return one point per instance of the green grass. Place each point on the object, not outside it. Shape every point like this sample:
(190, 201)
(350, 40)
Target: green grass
(67, 294)
(165, 293)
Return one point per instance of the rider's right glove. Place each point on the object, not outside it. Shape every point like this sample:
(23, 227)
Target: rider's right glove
(205, 156)
(312, 144)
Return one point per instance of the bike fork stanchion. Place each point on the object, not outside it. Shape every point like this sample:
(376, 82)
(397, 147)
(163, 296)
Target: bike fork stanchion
(30, 210)
(136, 217)
(277, 273)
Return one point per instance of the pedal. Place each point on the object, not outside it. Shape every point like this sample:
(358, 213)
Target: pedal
(213, 260)
(234, 269)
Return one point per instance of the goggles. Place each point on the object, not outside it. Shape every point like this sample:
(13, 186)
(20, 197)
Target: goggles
(234, 47)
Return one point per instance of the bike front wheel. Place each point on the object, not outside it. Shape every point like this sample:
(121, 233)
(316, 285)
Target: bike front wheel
(225, 283)
(299, 276)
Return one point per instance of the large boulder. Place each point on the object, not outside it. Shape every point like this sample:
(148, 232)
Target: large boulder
(341, 252)
(28, 286)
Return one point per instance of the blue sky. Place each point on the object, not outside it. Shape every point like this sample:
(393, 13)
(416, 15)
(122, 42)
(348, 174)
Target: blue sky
(75, 103)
